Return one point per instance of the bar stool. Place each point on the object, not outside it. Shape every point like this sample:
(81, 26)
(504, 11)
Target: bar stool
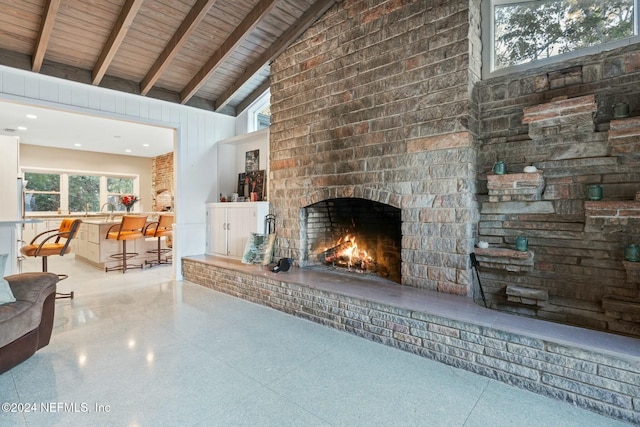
(131, 227)
(54, 242)
(158, 229)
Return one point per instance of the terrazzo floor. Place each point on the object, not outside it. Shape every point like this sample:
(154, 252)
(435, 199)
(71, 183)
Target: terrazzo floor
(139, 349)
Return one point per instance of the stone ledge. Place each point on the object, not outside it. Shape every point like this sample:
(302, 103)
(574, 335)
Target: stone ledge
(505, 259)
(523, 186)
(612, 209)
(543, 207)
(525, 295)
(559, 108)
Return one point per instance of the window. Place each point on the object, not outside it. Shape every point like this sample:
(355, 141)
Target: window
(260, 113)
(523, 34)
(75, 192)
(42, 192)
(115, 188)
(84, 193)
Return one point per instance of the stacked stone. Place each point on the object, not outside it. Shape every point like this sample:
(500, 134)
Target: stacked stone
(515, 187)
(624, 136)
(559, 118)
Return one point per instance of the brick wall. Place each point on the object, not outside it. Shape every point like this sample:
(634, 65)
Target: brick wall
(374, 101)
(559, 119)
(162, 180)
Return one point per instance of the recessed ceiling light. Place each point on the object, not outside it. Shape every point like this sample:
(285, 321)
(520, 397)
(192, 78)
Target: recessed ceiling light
(31, 116)
(145, 145)
(77, 145)
(22, 128)
(127, 150)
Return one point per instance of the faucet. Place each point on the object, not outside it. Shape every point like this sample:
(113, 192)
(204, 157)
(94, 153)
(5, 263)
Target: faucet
(113, 208)
(86, 210)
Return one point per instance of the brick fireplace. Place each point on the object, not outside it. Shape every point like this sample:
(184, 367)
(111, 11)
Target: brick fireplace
(375, 105)
(352, 235)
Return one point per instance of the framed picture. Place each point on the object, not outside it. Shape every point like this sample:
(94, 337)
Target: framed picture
(252, 182)
(252, 161)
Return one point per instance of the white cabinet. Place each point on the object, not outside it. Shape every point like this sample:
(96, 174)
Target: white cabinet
(229, 225)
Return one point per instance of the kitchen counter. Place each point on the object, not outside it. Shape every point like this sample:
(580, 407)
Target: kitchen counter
(93, 247)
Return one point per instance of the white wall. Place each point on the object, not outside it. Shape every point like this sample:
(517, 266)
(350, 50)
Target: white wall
(232, 158)
(196, 134)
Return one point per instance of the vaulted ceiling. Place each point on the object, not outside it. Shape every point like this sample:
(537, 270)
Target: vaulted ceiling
(210, 54)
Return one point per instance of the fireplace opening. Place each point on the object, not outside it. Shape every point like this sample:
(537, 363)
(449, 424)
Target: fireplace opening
(353, 235)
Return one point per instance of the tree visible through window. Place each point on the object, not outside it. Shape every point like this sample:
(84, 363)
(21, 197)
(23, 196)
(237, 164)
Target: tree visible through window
(48, 192)
(115, 188)
(84, 193)
(533, 30)
(42, 192)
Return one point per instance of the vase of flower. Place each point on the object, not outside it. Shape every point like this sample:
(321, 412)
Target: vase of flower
(127, 200)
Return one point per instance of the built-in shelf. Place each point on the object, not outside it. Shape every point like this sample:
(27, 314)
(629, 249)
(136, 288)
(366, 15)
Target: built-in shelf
(505, 259)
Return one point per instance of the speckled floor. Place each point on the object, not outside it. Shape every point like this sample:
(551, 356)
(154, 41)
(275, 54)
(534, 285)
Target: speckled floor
(139, 349)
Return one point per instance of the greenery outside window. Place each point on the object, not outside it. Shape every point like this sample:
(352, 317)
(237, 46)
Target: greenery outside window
(522, 34)
(75, 192)
(42, 192)
(117, 187)
(84, 193)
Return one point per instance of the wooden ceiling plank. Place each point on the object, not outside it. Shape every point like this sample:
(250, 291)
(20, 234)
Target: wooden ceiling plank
(262, 9)
(46, 26)
(276, 48)
(193, 18)
(119, 31)
(253, 96)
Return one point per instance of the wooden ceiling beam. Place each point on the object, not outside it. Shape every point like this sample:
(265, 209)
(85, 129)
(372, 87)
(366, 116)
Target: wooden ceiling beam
(226, 49)
(46, 26)
(191, 21)
(127, 14)
(283, 42)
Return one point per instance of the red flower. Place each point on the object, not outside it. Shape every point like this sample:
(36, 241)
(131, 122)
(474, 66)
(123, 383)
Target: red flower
(128, 200)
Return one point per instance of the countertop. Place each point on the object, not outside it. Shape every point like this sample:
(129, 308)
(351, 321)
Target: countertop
(99, 218)
(20, 221)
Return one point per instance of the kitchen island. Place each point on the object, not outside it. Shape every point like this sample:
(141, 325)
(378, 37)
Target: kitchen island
(93, 247)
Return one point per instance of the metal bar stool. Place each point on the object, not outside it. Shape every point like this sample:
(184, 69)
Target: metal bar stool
(54, 242)
(131, 227)
(158, 229)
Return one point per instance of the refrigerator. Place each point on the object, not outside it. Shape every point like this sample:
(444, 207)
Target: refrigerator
(11, 203)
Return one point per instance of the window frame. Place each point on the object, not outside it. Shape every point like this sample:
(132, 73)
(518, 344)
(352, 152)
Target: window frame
(255, 108)
(64, 186)
(488, 38)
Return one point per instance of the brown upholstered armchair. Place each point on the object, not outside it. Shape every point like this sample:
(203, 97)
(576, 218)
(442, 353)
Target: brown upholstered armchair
(27, 323)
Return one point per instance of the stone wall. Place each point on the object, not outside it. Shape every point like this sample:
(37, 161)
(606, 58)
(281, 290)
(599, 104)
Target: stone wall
(559, 119)
(162, 181)
(374, 101)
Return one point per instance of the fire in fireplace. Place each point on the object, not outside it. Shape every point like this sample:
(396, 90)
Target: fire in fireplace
(353, 235)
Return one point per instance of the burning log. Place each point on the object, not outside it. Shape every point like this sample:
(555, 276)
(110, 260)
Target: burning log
(336, 251)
